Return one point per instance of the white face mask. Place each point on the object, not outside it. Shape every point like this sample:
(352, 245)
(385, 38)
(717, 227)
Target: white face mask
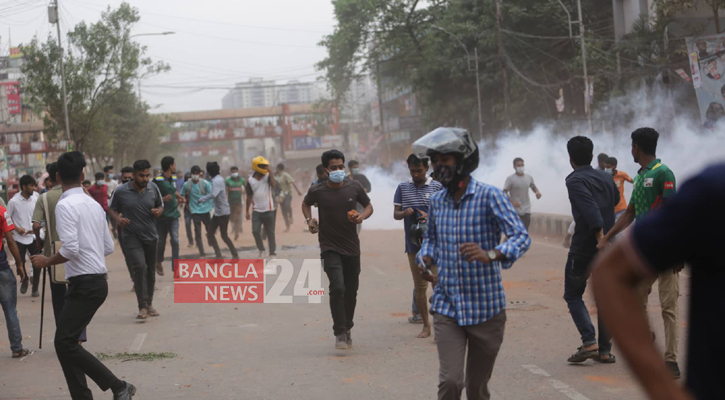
(609, 171)
(235, 174)
(195, 178)
(519, 170)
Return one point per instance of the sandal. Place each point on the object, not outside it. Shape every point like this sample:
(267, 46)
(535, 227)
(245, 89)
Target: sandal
(152, 312)
(611, 360)
(142, 314)
(22, 353)
(416, 319)
(582, 355)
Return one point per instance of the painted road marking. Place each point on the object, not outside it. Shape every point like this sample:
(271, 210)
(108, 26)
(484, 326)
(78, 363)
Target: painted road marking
(565, 389)
(165, 291)
(137, 343)
(378, 270)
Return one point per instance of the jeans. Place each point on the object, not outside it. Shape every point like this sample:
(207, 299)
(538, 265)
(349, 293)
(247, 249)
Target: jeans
(267, 219)
(286, 207)
(167, 226)
(575, 283)
(222, 222)
(9, 300)
(198, 220)
(187, 222)
(483, 342)
(344, 275)
(236, 218)
(85, 295)
(141, 258)
(32, 250)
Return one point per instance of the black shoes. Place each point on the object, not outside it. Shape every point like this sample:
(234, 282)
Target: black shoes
(674, 369)
(127, 393)
(341, 341)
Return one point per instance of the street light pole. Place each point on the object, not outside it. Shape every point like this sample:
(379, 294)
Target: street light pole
(587, 106)
(54, 17)
(478, 79)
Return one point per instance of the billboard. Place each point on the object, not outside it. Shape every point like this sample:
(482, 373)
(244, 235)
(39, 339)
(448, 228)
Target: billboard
(707, 66)
(12, 90)
(15, 52)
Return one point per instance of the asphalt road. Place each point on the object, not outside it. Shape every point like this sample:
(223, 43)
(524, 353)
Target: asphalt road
(286, 351)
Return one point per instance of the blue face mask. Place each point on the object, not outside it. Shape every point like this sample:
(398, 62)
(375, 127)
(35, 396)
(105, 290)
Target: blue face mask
(356, 170)
(337, 176)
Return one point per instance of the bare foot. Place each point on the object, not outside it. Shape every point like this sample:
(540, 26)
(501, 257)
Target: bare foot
(424, 333)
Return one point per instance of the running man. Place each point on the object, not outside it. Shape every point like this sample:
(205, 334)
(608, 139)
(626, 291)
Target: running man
(168, 223)
(339, 243)
(192, 191)
(139, 202)
(619, 178)
(653, 186)
(411, 201)
(235, 190)
(99, 191)
(286, 182)
(86, 242)
(260, 196)
(221, 211)
(20, 214)
(517, 188)
(593, 196)
(466, 221)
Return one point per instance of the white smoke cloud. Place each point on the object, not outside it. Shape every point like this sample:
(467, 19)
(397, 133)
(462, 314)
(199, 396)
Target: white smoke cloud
(683, 146)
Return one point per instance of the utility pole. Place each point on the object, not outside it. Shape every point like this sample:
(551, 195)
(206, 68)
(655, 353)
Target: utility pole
(501, 62)
(54, 18)
(478, 93)
(587, 106)
(380, 110)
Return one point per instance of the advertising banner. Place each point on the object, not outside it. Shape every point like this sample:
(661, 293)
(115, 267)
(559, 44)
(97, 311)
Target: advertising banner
(707, 62)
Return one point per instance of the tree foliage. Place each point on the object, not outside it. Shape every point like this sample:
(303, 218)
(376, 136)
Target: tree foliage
(101, 66)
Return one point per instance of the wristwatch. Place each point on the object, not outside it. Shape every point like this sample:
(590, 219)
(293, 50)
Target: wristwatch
(491, 255)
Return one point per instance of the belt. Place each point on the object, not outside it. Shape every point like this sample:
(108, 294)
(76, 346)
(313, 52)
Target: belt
(88, 277)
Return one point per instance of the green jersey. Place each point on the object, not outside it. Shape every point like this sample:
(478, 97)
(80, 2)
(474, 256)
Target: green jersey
(166, 187)
(652, 185)
(236, 189)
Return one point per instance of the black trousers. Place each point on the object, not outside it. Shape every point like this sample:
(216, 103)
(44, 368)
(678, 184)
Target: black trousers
(141, 259)
(57, 293)
(222, 223)
(344, 275)
(85, 295)
(206, 220)
(263, 222)
(30, 248)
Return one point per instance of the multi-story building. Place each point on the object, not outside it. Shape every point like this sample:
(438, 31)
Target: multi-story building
(260, 93)
(700, 16)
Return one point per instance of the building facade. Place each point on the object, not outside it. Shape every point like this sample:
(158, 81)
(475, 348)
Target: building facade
(258, 92)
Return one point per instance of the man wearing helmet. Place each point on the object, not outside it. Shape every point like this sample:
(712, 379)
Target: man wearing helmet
(260, 194)
(412, 199)
(336, 199)
(465, 224)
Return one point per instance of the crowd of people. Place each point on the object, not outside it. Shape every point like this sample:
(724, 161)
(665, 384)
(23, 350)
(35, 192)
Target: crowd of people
(459, 234)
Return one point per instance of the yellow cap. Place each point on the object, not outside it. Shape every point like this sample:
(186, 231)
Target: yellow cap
(257, 161)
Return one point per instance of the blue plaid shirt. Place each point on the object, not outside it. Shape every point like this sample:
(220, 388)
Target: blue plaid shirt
(472, 292)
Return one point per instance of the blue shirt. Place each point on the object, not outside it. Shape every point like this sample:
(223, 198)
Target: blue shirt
(219, 194)
(195, 194)
(472, 292)
(689, 228)
(408, 195)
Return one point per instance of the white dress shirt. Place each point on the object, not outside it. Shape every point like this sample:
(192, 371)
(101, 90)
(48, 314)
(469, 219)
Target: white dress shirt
(84, 235)
(20, 210)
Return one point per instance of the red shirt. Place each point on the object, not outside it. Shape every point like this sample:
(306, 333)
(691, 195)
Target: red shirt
(6, 225)
(100, 194)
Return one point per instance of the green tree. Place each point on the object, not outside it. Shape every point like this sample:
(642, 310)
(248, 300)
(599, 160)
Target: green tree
(101, 65)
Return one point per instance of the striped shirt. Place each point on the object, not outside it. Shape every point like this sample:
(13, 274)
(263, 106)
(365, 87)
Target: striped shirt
(472, 292)
(408, 195)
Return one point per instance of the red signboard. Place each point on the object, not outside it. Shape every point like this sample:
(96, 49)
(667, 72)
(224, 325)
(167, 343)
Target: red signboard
(12, 89)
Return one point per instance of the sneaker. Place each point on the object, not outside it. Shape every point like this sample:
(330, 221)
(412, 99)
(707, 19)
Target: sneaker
(35, 293)
(349, 340)
(261, 254)
(674, 369)
(24, 286)
(341, 341)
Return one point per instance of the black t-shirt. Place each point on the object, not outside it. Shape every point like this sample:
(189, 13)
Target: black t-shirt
(337, 233)
(137, 208)
(363, 181)
(689, 228)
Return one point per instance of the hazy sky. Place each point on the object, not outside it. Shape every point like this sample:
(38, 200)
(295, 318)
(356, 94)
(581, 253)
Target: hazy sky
(217, 42)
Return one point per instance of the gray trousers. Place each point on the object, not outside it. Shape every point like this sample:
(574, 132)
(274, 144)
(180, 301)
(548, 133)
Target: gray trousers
(483, 340)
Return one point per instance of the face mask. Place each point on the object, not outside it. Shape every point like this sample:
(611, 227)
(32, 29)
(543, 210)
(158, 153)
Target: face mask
(125, 180)
(110, 176)
(609, 171)
(235, 174)
(520, 170)
(337, 176)
(445, 174)
(195, 178)
(356, 170)
(99, 183)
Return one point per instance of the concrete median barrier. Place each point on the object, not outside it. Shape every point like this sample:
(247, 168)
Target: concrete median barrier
(550, 225)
